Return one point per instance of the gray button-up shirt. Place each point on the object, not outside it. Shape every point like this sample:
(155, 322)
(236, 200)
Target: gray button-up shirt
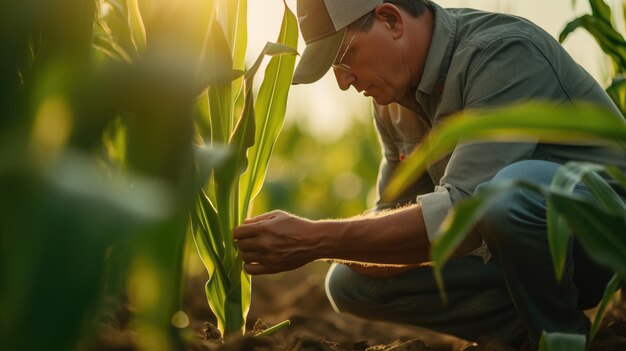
(479, 59)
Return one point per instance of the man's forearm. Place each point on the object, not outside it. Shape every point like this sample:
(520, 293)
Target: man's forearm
(278, 241)
(391, 237)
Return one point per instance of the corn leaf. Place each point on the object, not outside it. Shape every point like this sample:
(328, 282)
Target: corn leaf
(215, 295)
(559, 236)
(564, 181)
(207, 237)
(549, 123)
(459, 223)
(137, 29)
(270, 49)
(610, 290)
(210, 220)
(562, 342)
(238, 44)
(601, 10)
(273, 329)
(227, 176)
(220, 107)
(246, 291)
(604, 193)
(243, 135)
(270, 110)
(232, 14)
(617, 92)
(454, 230)
(609, 40)
(109, 47)
(599, 232)
(617, 175)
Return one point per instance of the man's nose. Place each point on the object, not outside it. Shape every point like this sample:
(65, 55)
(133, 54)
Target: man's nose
(344, 79)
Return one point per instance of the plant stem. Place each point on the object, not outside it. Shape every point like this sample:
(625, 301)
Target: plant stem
(274, 329)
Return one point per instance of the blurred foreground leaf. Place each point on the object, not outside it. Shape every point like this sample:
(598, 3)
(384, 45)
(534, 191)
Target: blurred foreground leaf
(562, 342)
(547, 122)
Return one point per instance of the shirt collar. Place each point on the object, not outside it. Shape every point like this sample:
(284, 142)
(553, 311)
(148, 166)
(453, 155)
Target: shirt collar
(439, 53)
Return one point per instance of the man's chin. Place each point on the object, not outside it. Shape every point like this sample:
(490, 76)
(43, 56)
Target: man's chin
(382, 100)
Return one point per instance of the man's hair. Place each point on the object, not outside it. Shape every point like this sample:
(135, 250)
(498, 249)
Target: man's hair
(415, 7)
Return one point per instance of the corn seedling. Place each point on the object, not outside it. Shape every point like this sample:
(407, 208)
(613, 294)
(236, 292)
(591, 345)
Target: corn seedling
(248, 128)
(601, 25)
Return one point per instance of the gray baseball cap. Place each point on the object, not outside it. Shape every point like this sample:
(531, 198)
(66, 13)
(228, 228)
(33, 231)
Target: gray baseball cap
(323, 26)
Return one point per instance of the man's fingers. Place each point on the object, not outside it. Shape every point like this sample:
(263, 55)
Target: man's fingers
(247, 245)
(256, 269)
(251, 256)
(260, 218)
(245, 231)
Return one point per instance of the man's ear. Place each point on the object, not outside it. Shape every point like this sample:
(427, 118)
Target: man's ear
(393, 18)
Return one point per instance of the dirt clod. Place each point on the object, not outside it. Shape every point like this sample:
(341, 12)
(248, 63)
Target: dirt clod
(210, 332)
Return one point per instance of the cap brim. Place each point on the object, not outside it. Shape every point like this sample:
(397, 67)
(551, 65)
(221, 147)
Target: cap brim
(317, 58)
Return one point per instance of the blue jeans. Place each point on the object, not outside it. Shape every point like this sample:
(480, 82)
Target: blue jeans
(513, 295)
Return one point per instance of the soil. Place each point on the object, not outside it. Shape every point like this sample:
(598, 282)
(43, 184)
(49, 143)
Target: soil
(299, 296)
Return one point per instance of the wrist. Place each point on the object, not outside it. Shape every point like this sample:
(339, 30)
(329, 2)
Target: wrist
(341, 239)
(330, 239)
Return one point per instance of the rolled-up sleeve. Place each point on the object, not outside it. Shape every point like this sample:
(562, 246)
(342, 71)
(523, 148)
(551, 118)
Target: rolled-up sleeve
(435, 207)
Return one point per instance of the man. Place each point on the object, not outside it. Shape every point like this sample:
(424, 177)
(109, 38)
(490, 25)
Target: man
(421, 63)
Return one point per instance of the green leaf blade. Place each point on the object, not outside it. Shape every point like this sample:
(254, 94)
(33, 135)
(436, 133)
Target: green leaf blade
(562, 342)
(610, 290)
(536, 121)
(270, 108)
(558, 239)
(137, 29)
(464, 216)
(598, 231)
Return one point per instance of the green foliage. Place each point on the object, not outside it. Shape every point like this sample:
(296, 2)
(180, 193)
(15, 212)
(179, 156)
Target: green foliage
(562, 342)
(98, 164)
(610, 290)
(249, 128)
(598, 220)
(602, 27)
(548, 123)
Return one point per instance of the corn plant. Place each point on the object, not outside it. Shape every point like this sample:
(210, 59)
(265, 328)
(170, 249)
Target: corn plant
(248, 128)
(598, 223)
(227, 116)
(602, 27)
(97, 162)
(68, 209)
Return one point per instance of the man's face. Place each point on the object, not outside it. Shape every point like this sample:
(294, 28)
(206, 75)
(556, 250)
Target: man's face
(372, 63)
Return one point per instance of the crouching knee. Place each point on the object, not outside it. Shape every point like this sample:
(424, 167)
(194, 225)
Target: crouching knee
(517, 210)
(347, 290)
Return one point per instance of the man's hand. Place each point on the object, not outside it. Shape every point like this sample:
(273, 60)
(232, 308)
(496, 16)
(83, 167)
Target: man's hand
(278, 241)
(275, 242)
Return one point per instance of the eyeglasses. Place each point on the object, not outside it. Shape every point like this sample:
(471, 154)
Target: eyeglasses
(340, 65)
